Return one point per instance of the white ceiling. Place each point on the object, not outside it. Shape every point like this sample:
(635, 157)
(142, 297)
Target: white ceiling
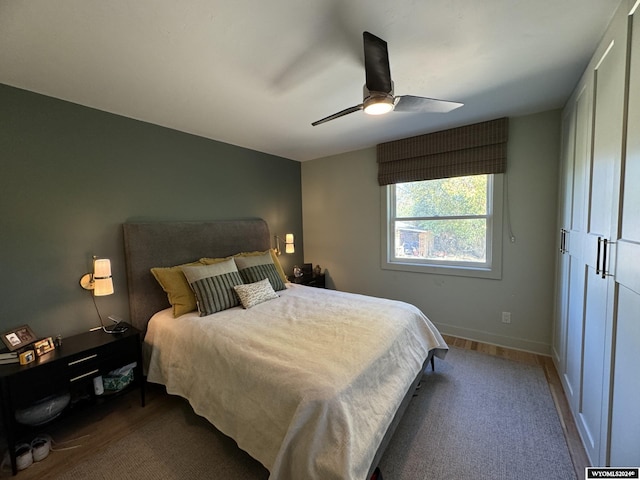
(256, 73)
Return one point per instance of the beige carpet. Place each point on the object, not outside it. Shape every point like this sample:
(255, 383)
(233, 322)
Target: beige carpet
(480, 418)
(477, 417)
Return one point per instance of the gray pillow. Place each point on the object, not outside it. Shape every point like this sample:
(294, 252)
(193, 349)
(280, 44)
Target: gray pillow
(213, 285)
(258, 267)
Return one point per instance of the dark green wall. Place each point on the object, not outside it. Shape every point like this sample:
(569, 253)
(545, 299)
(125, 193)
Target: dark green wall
(71, 175)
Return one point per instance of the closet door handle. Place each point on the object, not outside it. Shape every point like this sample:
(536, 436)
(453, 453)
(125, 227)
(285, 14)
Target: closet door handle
(603, 246)
(562, 240)
(607, 244)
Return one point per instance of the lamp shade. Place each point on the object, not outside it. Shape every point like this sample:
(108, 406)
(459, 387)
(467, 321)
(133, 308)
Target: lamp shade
(103, 287)
(289, 246)
(101, 268)
(103, 283)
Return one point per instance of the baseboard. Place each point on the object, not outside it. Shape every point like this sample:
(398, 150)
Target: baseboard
(514, 343)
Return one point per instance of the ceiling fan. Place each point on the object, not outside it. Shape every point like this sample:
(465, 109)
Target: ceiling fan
(378, 90)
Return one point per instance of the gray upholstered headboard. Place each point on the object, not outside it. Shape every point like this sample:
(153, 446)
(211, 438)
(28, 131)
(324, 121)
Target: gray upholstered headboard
(165, 244)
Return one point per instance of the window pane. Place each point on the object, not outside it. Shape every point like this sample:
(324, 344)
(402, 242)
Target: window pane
(444, 197)
(450, 226)
(444, 240)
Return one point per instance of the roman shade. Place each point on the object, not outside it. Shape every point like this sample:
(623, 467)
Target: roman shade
(475, 149)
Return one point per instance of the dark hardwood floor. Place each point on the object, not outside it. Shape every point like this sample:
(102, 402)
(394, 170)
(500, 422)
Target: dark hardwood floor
(96, 428)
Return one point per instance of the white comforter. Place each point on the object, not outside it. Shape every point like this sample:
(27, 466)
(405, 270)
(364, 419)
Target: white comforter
(307, 383)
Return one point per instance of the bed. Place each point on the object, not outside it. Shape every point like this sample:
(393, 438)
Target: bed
(311, 383)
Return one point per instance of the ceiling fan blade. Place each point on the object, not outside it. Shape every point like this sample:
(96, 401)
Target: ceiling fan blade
(341, 113)
(376, 64)
(409, 103)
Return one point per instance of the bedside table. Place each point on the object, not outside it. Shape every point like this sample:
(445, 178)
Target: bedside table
(69, 368)
(309, 280)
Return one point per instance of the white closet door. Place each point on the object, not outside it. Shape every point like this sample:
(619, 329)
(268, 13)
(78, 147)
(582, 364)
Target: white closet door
(609, 82)
(579, 171)
(625, 417)
(559, 345)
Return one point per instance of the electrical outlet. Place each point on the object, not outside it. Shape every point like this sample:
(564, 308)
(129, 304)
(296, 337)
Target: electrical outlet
(506, 317)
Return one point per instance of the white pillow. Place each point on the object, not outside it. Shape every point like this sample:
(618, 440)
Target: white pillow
(252, 294)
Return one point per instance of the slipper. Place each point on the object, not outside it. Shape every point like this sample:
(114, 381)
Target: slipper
(41, 445)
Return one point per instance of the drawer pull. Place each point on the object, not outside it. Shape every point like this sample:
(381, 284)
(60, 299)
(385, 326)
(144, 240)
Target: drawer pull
(84, 375)
(83, 359)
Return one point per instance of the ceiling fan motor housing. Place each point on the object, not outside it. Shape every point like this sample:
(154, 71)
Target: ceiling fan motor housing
(377, 103)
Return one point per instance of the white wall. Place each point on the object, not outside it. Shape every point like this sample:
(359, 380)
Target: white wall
(341, 204)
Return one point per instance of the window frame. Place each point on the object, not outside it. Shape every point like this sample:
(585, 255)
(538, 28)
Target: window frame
(491, 269)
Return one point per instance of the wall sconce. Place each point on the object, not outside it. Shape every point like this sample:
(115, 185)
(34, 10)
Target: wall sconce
(100, 280)
(101, 283)
(289, 246)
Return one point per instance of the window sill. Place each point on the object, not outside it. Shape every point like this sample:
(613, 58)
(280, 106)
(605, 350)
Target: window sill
(454, 270)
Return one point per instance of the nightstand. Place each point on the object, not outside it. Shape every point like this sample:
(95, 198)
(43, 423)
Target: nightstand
(70, 368)
(309, 280)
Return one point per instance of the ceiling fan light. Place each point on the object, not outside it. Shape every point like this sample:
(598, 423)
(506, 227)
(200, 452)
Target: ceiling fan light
(378, 108)
(378, 105)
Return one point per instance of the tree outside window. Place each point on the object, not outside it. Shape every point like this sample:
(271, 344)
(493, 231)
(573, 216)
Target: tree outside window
(441, 221)
(448, 225)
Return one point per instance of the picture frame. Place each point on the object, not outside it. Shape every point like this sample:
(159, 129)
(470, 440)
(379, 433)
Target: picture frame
(44, 346)
(18, 337)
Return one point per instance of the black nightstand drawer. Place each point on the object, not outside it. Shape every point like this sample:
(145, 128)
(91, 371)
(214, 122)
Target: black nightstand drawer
(309, 280)
(316, 282)
(102, 360)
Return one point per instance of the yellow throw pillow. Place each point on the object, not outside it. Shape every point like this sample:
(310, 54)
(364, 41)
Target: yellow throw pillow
(276, 262)
(175, 284)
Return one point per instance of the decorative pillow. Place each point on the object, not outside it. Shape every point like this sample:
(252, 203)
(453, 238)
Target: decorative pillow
(279, 269)
(254, 268)
(213, 286)
(212, 261)
(178, 291)
(254, 293)
(274, 258)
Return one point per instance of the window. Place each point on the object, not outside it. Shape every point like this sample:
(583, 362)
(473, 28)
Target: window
(448, 226)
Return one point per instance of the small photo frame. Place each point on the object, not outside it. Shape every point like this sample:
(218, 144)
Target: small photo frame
(44, 346)
(18, 337)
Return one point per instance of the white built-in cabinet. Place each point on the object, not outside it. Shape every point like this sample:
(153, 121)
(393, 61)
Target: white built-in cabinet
(596, 345)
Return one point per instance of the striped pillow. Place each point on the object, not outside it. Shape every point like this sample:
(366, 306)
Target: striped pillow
(258, 267)
(213, 286)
